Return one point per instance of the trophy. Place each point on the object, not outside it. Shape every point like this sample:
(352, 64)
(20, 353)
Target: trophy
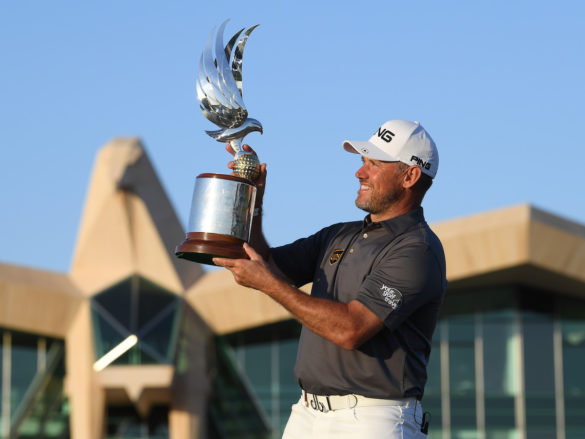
(222, 207)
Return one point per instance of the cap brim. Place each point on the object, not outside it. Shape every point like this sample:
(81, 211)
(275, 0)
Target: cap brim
(367, 149)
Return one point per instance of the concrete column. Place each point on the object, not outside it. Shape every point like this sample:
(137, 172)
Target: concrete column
(87, 398)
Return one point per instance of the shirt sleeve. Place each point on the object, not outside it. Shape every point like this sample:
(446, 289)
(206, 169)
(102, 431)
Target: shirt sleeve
(402, 281)
(299, 260)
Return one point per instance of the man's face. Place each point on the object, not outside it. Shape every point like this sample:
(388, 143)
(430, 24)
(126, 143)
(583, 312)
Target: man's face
(380, 186)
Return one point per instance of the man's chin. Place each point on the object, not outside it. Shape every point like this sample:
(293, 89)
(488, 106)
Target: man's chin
(363, 206)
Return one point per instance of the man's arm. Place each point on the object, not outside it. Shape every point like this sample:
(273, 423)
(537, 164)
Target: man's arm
(348, 325)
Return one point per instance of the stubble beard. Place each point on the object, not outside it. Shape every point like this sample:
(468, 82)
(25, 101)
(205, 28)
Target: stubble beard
(377, 203)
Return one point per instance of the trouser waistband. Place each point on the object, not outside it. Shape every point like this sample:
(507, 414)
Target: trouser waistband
(324, 403)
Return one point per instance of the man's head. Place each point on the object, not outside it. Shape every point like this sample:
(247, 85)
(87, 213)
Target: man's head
(400, 141)
(400, 161)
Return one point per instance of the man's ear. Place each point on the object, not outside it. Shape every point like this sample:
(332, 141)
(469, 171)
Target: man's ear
(411, 176)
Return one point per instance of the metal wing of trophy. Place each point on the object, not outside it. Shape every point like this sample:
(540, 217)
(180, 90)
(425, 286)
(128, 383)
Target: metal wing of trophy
(219, 89)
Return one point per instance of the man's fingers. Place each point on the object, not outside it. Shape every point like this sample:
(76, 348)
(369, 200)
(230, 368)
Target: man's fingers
(222, 262)
(262, 178)
(254, 256)
(229, 149)
(248, 148)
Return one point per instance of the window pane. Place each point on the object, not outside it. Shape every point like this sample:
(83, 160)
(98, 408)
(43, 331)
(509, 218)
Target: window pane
(462, 375)
(116, 300)
(573, 331)
(501, 372)
(160, 335)
(233, 412)
(24, 366)
(136, 306)
(135, 355)
(106, 337)
(47, 416)
(267, 356)
(290, 391)
(124, 422)
(257, 367)
(152, 300)
(431, 401)
(539, 375)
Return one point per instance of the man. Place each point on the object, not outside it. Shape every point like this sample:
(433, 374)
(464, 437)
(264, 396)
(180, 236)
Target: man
(377, 288)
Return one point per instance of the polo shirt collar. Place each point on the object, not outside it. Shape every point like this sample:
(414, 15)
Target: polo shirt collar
(397, 225)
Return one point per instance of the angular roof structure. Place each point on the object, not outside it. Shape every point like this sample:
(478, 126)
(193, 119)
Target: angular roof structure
(520, 244)
(128, 225)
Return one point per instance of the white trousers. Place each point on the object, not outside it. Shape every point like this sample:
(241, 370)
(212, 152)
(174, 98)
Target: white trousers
(367, 422)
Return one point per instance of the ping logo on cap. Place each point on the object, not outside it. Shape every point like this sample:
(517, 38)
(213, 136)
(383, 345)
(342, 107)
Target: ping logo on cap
(420, 162)
(385, 134)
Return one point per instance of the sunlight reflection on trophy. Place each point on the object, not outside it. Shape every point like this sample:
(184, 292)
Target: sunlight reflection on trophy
(222, 207)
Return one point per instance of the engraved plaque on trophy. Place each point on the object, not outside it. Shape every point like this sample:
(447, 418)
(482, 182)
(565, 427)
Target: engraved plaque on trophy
(222, 207)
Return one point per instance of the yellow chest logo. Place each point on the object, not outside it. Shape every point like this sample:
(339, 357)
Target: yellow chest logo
(336, 256)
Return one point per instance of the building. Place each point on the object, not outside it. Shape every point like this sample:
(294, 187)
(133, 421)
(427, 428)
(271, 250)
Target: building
(200, 356)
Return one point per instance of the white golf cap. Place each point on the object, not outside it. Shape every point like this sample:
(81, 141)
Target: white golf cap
(402, 141)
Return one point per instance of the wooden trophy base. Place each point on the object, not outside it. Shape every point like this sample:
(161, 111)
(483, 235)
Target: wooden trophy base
(203, 247)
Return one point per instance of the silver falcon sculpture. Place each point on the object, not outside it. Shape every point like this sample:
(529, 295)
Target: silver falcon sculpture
(219, 89)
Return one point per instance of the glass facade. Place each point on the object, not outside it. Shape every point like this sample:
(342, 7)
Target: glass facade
(572, 339)
(507, 363)
(139, 307)
(32, 371)
(124, 422)
(504, 358)
(265, 357)
(136, 306)
(234, 409)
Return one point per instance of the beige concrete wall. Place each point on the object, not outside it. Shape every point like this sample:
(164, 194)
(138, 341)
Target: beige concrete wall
(37, 301)
(557, 250)
(227, 306)
(143, 385)
(86, 395)
(128, 225)
(485, 243)
(192, 380)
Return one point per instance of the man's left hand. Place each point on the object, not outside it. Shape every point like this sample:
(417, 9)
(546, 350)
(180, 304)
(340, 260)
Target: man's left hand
(252, 273)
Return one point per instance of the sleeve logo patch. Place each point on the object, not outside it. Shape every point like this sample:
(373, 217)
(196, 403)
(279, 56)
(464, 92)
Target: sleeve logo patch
(392, 297)
(336, 255)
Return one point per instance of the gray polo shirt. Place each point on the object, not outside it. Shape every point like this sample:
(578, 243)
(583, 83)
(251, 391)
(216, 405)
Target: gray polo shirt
(396, 268)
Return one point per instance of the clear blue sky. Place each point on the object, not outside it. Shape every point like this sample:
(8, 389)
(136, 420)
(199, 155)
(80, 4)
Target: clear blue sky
(498, 84)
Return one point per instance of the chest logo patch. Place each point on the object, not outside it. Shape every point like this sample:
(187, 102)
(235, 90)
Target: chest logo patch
(392, 296)
(336, 256)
